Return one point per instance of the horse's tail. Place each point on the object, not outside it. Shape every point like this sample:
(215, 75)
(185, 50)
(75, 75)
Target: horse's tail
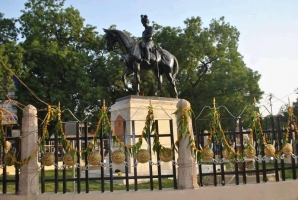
(175, 67)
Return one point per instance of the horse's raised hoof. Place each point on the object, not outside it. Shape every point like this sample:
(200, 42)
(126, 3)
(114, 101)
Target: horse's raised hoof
(147, 62)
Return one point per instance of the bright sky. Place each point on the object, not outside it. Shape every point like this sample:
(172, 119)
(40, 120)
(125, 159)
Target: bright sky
(268, 31)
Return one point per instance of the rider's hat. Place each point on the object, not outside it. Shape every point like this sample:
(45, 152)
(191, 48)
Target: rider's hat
(144, 19)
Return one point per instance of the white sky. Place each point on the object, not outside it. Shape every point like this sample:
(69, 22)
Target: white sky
(268, 31)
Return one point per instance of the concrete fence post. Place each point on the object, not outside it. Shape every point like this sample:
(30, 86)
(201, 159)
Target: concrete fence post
(29, 177)
(187, 177)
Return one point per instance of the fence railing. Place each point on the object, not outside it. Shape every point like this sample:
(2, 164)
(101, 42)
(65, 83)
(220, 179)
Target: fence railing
(216, 166)
(15, 148)
(220, 168)
(82, 174)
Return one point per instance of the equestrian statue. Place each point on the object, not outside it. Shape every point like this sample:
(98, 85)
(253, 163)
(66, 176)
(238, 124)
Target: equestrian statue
(143, 55)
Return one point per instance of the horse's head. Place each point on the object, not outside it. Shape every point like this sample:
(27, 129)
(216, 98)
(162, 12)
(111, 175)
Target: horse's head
(110, 39)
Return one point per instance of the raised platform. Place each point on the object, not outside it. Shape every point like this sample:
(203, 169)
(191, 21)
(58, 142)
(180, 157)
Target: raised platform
(134, 110)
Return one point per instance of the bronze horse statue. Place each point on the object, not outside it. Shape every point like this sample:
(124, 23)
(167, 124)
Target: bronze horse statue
(161, 62)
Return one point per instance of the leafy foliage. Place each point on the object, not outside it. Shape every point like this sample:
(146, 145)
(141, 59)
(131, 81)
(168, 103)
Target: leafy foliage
(61, 59)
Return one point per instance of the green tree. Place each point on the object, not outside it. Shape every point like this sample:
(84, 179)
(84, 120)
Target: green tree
(62, 57)
(210, 65)
(11, 55)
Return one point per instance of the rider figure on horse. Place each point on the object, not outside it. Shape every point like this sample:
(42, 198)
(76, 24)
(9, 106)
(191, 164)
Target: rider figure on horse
(147, 38)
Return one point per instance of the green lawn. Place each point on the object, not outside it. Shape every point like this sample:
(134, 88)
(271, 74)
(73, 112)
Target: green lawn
(96, 185)
(93, 185)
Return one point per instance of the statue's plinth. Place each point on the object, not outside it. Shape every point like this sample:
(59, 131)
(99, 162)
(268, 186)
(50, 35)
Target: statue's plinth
(133, 110)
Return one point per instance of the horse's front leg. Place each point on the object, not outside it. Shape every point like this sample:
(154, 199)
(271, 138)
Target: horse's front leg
(126, 72)
(159, 83)
(137, 70)
(172, 82)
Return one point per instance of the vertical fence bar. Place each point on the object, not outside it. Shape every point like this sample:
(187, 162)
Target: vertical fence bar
(150, 162)
(257, 147)
(56, 160)
(291, 139)
(279, 141)
(201, 174)
(263, 157)
(174, 159)
(295, 150)
(222, 167)
(242, 147)
(86, 157)
(126, 163)
(110, 159)
(42, 177)
(17, 168)
(64, 183)
(236, 162)
(214, 163)
(158, 159)
(4, 183)
(135, 173)
(102, 175)
(78, 157)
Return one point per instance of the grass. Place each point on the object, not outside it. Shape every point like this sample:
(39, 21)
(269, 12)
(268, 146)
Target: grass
(94, 185)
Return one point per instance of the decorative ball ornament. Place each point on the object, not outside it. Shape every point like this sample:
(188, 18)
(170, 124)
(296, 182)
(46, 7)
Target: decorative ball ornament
(250, 152)
(208, 154)
(8, 160)
(166, 155)
(48, 159)
(143, 156)
(69, 160)
(228, 155)
(269, 150)
(94, 158)
(118, 157)
(287, 149)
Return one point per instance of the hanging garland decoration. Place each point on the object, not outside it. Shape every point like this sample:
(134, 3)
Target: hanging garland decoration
(291, 114)
(70, 157)
(287, 148)
(269, 149)
(118, 157)
(183, 131)
(10, 155)
(250, 151)
(2, 133)
(143, 156)
(221, 135)
(147, 130)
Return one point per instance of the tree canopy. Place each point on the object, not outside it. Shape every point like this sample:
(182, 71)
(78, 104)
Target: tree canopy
(63, 60)
(62, 56)
(11, 55)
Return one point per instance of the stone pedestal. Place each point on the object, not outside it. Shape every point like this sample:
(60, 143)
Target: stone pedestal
(135, 108)
(29, 179)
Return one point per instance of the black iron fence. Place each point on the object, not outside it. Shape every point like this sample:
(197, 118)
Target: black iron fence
(216, 168)
(219, 168)
(13, 144)
(106, 170)
(59, 176)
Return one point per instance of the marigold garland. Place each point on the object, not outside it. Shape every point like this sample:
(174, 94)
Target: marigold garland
(149, 128)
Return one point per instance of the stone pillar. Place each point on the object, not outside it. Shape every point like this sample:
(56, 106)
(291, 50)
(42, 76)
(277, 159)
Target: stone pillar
(187, 177)
(29, 178)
